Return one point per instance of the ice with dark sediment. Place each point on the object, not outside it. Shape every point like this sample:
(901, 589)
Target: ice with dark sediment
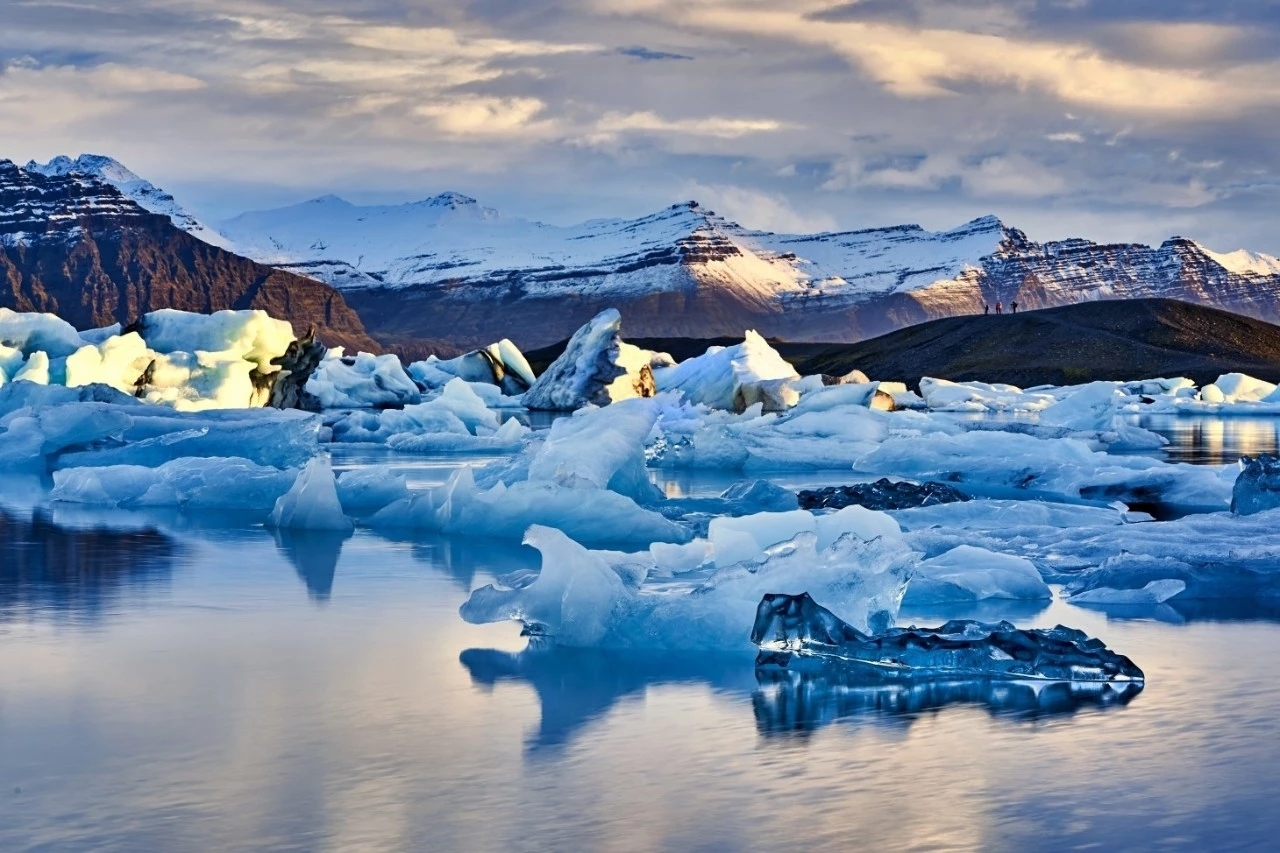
(795, 632)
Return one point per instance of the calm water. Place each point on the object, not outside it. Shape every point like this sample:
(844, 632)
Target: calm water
(171, 684)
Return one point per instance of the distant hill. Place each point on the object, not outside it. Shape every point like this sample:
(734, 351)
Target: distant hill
(1117, 340)
(1129, 339)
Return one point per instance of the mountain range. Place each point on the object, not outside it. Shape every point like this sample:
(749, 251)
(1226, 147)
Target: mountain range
(74, 244)
(447, 268)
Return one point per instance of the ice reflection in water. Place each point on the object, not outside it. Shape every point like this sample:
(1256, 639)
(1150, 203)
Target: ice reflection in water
(1215, 440)
(799, 703)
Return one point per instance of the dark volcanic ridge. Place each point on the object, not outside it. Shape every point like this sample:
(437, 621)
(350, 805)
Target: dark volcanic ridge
(1112, 340)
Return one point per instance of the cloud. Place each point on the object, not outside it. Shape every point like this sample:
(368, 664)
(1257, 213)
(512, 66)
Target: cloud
(760, 210)
(647, 55)
(612, 124)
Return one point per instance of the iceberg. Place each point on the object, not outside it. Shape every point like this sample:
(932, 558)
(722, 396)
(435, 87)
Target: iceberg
(250, 335)
(362, 381)
(506, 511)
(601, 449)
(585, 598)
(596, 368)
(795, 632)
(32, 333)
(969, 573)
(1237, 388)
(501, 364)
(194, 483)
(1257, 488)
(455, 419)
(734, 378)
(942, 395)
(312, 501)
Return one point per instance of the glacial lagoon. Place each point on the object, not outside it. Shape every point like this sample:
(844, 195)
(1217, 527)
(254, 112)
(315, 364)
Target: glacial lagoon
(178, 682)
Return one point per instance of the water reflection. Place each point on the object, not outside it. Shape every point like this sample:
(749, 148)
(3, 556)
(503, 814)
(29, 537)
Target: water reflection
(790, 703)
(462, 558)
(1213, 440)
(74, 571)
(1188, 610)
(314, 554)
(578, 686)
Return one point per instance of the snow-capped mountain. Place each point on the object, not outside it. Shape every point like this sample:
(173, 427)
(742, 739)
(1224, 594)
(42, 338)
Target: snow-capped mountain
(74, 245)
(448, 268)
(147, 195)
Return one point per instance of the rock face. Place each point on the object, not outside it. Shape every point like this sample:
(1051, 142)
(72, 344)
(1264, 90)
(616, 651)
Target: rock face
(74, 245)
(883, 494)
(1258, 486)
(448, 268)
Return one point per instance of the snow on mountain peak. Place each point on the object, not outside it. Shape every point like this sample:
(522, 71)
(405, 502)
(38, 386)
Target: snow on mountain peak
(145, 194)
(1243, 262)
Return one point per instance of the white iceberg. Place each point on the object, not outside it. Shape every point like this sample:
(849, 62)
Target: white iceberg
(194, 483)
(362, 381)
(312, 501)
(596, 368)
(734, 378)
(969, 573)
(581, 599)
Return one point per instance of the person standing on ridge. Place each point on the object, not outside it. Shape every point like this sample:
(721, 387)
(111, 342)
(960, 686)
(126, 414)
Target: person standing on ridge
(999, 308)
(1014, 306)
(986, 308)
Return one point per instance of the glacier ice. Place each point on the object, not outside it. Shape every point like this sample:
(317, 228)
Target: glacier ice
(31, 333)
(795, 632)
(969, 573)
(250, 335)
(455, 418)
(600, 448)
(362, 381)
(366, 490)
(734, 378)
(581, 599)
(194, 483)
(312, 501)
(596, 368)
(501, 365)
(506, 511)
(943, 395)
(1257, 487)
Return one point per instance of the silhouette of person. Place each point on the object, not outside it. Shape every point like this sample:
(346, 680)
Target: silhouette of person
(986, 308)
(1014, 306)
(999, 308)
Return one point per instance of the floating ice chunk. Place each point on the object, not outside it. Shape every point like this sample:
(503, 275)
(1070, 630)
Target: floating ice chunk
(967, 573)
(1091, 407)
(117, 361)
(197, 483)
(1155, 592)
(505, 512)
(735, 540)
(580, 598)
(362, 381)
(366, 490)
(501, 365)
(600, 448)
(97, 336)
(731, 378)
(762, 496)
(36, 370)
(456, 419)
(250, 335)
(1237, 388)
(795, 632)
(942, 395)
(312, 501)
(596, 368)
(32, 333)
(1257, 488)
(154, 435)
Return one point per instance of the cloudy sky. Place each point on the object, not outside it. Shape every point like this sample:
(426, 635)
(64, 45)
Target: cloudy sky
(1109, 119)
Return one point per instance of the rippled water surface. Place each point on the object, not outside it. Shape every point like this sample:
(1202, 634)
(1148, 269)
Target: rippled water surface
(173, 684)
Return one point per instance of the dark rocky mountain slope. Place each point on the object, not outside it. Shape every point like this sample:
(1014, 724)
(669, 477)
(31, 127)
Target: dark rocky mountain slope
(75, 246)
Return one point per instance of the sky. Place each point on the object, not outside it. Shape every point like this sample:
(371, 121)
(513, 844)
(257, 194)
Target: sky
(1116, 120)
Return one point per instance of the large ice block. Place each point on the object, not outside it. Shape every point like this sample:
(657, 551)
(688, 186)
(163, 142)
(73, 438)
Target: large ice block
(1258, 486)
(794, 631)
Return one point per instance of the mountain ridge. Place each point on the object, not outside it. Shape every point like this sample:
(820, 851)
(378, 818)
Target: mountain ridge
(74, 245)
